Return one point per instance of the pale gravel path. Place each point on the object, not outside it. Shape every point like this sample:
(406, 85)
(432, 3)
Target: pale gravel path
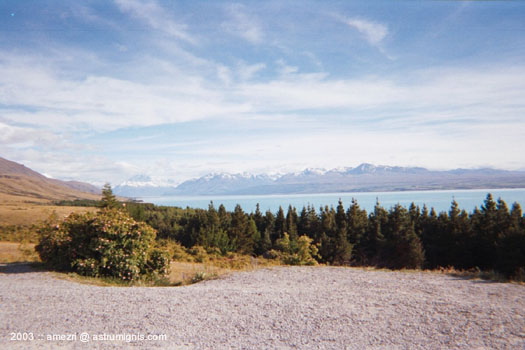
(278, 308)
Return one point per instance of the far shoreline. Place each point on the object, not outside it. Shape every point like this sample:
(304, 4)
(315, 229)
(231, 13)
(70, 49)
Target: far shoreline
(440, 199)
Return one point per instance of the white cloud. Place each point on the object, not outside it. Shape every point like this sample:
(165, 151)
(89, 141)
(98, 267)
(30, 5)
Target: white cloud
(243, 24)
(421, 118)
(248, 71)
(23, 137)
(457, 91)
(374, 32)
(285, 69)
(104, 103)
(151, 13)
(87, 14)
(224, 74)
(59, 165)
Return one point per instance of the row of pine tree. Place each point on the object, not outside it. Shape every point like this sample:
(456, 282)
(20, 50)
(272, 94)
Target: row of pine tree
(489, 238)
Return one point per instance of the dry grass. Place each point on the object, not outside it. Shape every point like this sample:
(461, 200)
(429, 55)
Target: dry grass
(475, 273)
(17, 252)
(27, 214)
(23, 187)
(181, 273)
(186, 273)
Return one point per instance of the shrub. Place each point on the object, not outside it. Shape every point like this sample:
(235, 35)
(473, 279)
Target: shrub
(106, 243)
(158, 262)
(302, 252)
(199, 253)
(176, 251)
(199, 276)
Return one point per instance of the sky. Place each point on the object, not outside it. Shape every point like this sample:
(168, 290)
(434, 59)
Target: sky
(101, 91)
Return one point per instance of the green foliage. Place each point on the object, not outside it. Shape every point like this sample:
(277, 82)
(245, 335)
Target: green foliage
(158, 262)
(106, 243)
(108, 198)
(357, 222)
(299, 252)
(402, 247)
(491, 238)
(199, 253)
(199, 276)
(342, 249)
(279, 225)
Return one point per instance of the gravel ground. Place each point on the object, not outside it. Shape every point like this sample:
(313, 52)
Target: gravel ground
(277, 308)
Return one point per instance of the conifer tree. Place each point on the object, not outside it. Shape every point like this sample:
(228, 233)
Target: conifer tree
(403, 248)
(374, 240)
(280, 225)
(414, 213)
(266, 242)
(259, 219)
(224, 217)
(511, 246)
(291, 224)
(269, 224)
(357, 220)
(341, 248)
(108, 198)
(328, 231)
(243, 231)
(460, 237)
(214, 235)
(252, 239)
(303, 224)
(485, 223)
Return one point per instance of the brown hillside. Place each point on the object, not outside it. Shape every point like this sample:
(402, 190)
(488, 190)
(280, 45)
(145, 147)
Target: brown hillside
(21, 184)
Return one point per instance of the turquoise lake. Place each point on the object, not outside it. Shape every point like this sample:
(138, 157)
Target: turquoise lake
(439, 200)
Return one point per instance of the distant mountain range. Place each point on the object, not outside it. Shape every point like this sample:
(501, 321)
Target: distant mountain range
(144, 186)
(18, 182)
(364, 178)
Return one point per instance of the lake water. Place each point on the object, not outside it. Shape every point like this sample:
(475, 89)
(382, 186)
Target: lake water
(439, 200)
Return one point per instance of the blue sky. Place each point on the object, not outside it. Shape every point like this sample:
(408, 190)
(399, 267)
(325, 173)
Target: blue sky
(103, 90)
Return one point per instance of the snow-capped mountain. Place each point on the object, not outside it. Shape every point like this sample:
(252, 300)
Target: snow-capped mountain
(140, 181)
(144, 186)
(363, 178)
(222, 183)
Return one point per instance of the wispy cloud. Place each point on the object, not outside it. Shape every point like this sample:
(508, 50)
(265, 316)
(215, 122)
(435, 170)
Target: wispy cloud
(22, 137)
(101, 102)
(243, 24)
(151, 13)
(254, 88)
(88, 15)
(248, 71)
(373, 32)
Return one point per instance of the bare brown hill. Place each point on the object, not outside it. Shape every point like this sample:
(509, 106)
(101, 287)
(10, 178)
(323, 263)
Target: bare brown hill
(19, 183)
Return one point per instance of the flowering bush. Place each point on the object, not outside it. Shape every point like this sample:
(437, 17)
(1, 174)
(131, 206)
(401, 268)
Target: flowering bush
(106, 243)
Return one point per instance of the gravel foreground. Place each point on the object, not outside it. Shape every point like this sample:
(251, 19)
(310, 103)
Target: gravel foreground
(277, 308)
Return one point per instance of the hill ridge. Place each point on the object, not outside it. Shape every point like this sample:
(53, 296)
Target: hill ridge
(18, 182)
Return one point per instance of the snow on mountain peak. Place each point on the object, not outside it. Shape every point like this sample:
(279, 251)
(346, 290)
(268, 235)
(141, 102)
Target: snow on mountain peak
(142, 180)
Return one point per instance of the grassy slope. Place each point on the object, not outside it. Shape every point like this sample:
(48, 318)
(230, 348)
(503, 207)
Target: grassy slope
(27, 198)
(23, 188)
(27, 214)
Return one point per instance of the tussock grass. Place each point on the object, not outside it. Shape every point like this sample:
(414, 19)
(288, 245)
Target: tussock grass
(184, 272)
(181, 272)
(27, 214)
(475, 273)
(11, 252)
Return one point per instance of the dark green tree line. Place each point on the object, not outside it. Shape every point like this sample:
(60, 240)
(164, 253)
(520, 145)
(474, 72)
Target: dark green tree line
(490, 238)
